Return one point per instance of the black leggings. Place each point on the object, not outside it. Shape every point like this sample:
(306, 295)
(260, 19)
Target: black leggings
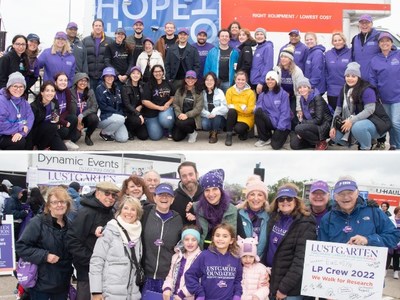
(7, 144)
(46, 136)
(70, 133)
(267, 131)
(135, 128)
(233, 124)
(90, 122)
(309, 137)
(182, 128)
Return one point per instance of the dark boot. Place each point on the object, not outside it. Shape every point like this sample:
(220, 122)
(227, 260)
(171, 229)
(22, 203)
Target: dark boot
(213, 137)
(88, 140)
(244, 136)
(228, 140)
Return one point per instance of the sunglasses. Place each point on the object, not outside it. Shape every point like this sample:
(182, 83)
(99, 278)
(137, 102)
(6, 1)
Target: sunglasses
(108, 193)
(282, 199)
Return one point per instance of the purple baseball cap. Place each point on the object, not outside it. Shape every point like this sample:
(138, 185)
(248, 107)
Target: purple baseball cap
(120, 30)
(72, 25)
(148, 40)
(365, 18)
(191, 74)
(202, 31)
(164, 188)
(138, 21)
(385, 35)
(319, 186)
(137, 68)
(295, 31)
(61, 35)
(183, 30)
(286, 192)
(345, 185)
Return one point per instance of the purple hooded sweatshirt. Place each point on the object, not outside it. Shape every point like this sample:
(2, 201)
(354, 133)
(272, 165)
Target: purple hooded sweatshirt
(9, 122)
(263, 62)
(220, 276)
(385, 75)
(335, 65)
(277, 107)
(315, 68)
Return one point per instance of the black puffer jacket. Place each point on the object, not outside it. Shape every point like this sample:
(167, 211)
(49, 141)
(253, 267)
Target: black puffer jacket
(95, 63)
(81, 237)
(43, 236)
(287, 266)
(246, 57)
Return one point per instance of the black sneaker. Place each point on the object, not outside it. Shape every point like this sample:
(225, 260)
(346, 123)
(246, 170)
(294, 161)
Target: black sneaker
(88, 141)
(244, 136)
(106, 137)
(131, 137)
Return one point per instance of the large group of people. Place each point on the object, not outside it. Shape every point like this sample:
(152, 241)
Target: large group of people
(150, 240)
(133, 86)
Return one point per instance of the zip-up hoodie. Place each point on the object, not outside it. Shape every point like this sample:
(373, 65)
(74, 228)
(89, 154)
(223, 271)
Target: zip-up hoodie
(315, 68)
(263, 61)
(335, 65)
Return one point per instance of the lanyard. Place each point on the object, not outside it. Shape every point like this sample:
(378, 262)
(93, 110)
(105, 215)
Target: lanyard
(79, 101)
(17, 109)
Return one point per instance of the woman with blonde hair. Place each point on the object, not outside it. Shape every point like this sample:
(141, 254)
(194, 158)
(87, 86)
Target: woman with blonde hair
(314, 69)
(44, 243)
(289, 227)
(254, 212)
(58, 58)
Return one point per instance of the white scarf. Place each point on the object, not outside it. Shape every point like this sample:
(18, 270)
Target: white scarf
(134, 230)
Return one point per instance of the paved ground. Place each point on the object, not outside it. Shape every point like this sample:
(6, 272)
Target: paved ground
(390, 292)
(166, 145)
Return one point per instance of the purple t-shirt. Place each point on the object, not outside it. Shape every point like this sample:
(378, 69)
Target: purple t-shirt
(278, 232)
(287, 82)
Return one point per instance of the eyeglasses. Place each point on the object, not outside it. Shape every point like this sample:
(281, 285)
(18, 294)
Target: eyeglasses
(287, 199)
(83, 81)
(20, 44)
(108, 193)
(59, 202)
(18, 87)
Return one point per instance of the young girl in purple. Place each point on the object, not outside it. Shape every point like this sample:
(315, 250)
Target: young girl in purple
(218, 268)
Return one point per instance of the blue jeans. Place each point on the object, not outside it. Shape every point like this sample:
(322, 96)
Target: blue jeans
(216, 123)
(363, 131)
(393, 110)
(155, 126)
(37, 295)
(154, 285)
(114, 125)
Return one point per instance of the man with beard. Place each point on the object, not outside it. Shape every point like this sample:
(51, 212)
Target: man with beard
(188, 189)
(202, 47)
(77, 48)
(167, 40)
(95, 212)
(135, 41)
(301, 50)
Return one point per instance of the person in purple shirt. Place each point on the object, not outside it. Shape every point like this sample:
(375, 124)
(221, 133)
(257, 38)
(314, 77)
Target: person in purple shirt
(363, 116)
(385, 69)
(16, 116)
(202, 47)
(58, 58)
(336, 61)
(315, 64)
(234, 29)
(289, 227)
(272, 114)
(301, 51)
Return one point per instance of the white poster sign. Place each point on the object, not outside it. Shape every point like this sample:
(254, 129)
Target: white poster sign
(342, 271)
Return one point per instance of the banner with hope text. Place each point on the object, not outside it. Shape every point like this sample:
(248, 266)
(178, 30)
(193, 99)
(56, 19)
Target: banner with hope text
(342, 271)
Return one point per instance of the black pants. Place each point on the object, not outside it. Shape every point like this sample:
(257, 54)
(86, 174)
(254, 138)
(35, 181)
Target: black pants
(135, 128)
(182, 128)
(267, 131)
(233, 125)
(70, 133)
(295, 120)
(90, 122)
(332, 100)
(46, 136)
(7, 144)
(309, 137)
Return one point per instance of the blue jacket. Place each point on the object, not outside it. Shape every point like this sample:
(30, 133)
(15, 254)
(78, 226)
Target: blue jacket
(56, 63)
(335, 65)
(370, 222)
(315, 68)
(212, 63)
(277, 107)
(76, 198)
(263, 61)
(215, 276)
(385, 75)
(12, 205)
(248, 228)
(300, 54)
(108, 103)
(364, 53)
(9, 124)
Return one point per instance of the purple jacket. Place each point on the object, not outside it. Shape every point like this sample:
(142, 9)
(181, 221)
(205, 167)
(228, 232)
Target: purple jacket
(220, 276)
(9, 124)
(385, 75)
(364, 54)
(300, 54)
(335, 65)
(277, 107)
(315, 68)
(263, 61)
(56, 63)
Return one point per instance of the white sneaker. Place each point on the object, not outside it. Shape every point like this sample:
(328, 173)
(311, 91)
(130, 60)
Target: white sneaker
(192, 137)
(261, 143)
(396, 275)
(71, 145)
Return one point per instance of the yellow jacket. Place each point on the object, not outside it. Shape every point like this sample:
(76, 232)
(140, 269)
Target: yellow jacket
(244, 103)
